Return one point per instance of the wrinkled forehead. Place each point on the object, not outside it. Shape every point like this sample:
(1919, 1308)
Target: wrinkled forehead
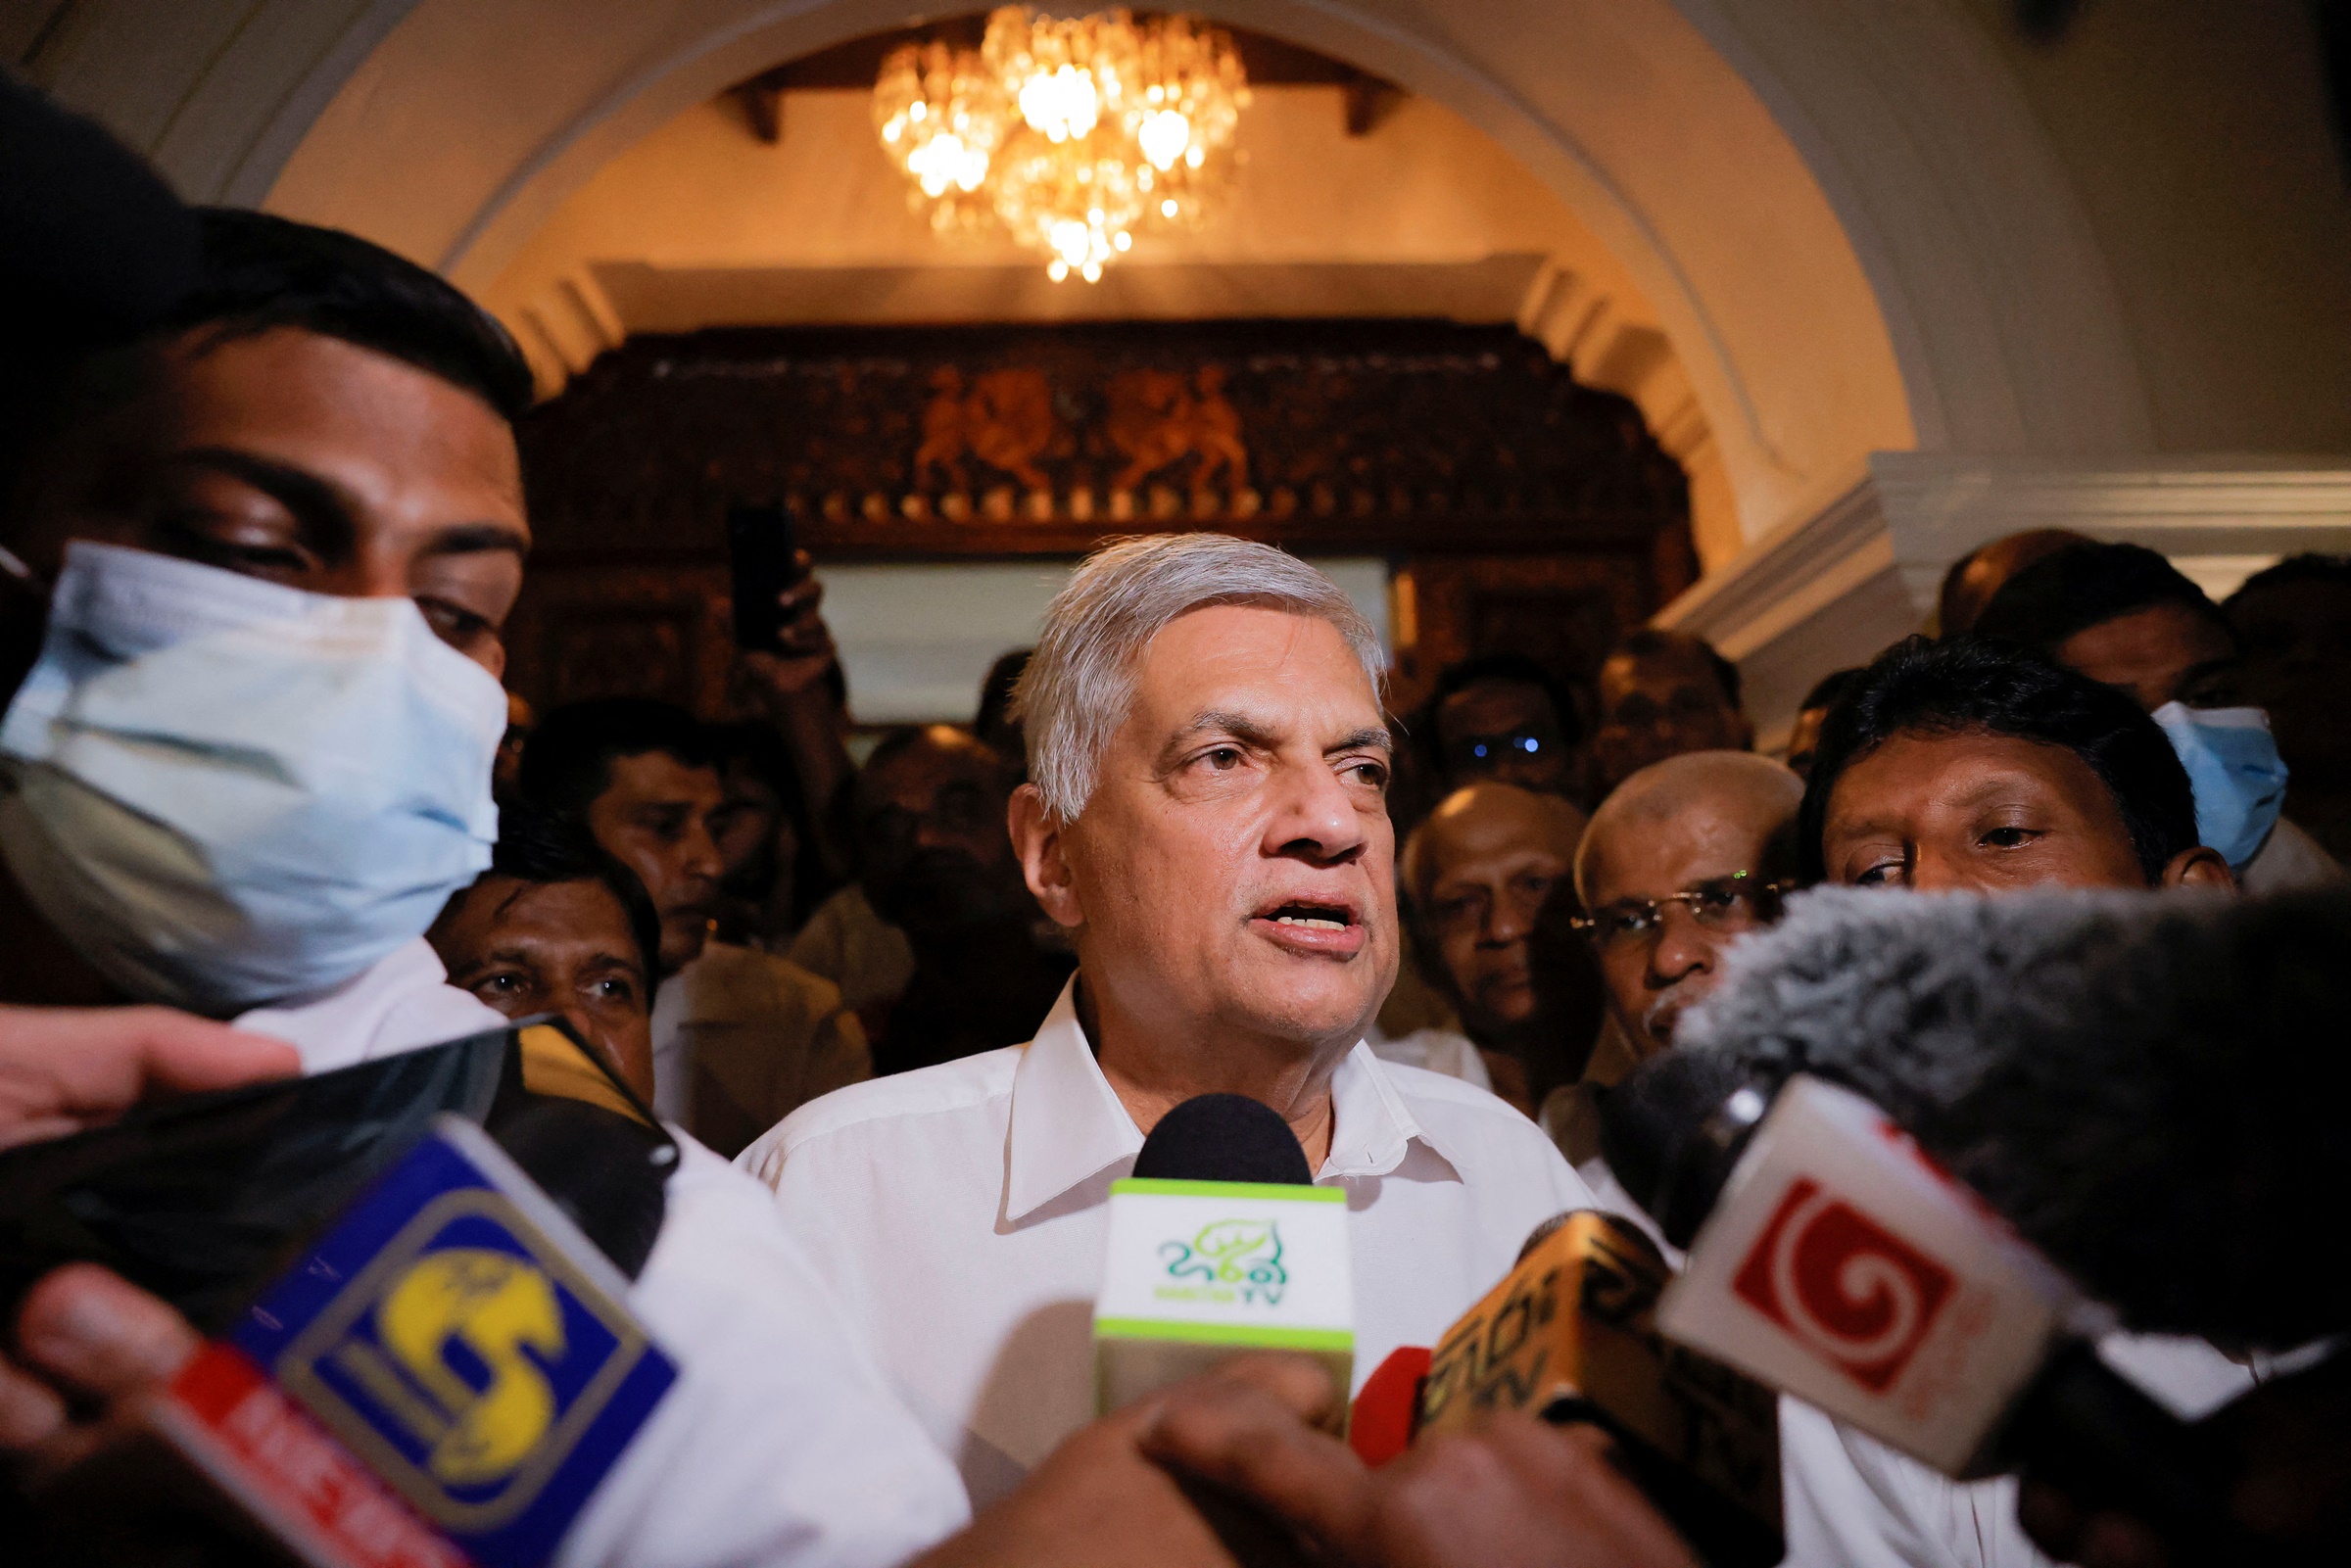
(501, 911)
(1274, 666)
(1916, 773)
(1652, 854)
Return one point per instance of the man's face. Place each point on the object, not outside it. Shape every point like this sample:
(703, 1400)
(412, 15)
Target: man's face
(1235, 866)
(1709, 849)
(1492, 857)
(526, 948)
(932, 822)
(1975, 811)
(301, 459)
(2297, 665)
(654, 817)
(1658, 705)
(753, 831)
(2163, 653)
(1504, 731)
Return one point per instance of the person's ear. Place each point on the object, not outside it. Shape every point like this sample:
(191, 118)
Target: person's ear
(2201, 869)
(1044, 862)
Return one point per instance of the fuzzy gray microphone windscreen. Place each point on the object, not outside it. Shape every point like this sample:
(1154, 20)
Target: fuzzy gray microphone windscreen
(2155, 1089)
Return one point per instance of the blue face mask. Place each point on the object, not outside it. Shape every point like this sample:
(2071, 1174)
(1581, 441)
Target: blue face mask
(225, 792)
(2239, 779)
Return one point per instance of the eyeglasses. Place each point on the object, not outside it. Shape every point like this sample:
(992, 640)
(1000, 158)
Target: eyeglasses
(1472, 751)
(1728, 903)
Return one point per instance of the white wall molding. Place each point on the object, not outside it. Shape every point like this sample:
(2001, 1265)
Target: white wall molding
(1863, 567)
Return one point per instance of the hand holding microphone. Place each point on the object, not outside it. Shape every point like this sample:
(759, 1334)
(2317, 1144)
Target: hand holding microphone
(450, 1360)
(83, 1332)
(1220, 1244)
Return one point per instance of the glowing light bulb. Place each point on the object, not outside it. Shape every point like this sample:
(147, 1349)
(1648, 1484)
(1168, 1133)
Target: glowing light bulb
(1122, 239)
(1061, 103)
(1091, 273)
(1166, 209)
(917, 110)
(1163, 136)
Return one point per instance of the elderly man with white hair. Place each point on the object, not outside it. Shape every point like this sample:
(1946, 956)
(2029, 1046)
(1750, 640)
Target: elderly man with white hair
(1209, 822)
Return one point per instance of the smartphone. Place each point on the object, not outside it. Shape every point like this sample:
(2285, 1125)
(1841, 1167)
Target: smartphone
(761, 549)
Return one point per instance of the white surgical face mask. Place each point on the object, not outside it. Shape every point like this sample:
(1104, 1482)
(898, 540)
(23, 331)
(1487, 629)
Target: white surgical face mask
(2234, 766)
(224, 791)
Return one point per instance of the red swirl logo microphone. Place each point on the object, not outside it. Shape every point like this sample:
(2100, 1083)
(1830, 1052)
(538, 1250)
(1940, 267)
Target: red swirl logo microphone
(1859, 1296)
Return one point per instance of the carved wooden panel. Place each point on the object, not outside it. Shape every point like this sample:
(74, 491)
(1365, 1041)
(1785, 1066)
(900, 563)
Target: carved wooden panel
(1531, 513)
(1006, 441)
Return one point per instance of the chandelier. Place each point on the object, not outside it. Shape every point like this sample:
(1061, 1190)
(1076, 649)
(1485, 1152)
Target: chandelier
(1067, 133)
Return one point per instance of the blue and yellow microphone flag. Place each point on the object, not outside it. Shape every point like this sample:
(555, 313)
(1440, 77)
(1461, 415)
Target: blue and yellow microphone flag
(465, 1341)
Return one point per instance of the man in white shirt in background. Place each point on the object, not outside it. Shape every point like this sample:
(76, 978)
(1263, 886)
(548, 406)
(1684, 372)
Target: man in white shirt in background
(1476, 876)
(1207, 820)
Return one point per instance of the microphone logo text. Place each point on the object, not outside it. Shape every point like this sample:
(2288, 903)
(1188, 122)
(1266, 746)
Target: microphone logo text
(1861, 1297)
(1229, 1261)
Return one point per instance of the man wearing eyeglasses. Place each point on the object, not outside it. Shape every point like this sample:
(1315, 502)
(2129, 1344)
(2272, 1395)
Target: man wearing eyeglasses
(1685, 856)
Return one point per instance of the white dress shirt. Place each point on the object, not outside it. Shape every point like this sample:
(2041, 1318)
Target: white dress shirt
(960, 1210)
(779, 1445)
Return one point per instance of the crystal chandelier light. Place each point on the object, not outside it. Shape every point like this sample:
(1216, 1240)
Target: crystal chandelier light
(1069, 132)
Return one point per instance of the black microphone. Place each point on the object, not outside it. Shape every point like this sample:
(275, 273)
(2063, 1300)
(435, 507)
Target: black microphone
(1220, 1243)
(1224, 1137)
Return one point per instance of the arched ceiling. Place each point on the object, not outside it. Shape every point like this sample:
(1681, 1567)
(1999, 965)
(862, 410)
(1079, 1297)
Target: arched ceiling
(1841, 218)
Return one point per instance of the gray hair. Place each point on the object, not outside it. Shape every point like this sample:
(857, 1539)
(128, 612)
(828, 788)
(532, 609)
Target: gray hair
(1080, 684)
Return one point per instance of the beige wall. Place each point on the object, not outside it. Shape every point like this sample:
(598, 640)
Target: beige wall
(2196, 134)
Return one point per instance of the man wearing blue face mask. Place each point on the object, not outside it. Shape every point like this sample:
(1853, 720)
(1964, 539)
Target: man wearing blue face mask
(2122, 615)
(259, 559)
(250, 761)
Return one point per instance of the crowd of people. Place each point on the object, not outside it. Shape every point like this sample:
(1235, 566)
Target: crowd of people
(263, 531)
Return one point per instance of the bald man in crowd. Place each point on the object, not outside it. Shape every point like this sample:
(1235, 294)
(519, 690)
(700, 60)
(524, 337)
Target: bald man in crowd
(1477, 874)
(1684, 857)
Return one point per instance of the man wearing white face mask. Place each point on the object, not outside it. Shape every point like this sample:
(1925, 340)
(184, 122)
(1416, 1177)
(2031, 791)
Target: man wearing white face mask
(2123, 616)
(247, 759)
(250, 761)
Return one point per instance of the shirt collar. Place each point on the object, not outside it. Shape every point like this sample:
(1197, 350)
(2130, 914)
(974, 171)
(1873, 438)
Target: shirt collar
(1067, 1123)
(1370, 1126)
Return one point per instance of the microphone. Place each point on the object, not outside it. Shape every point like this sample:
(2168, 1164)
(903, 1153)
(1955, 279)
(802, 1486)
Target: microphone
(1569, 1336)
(2112, 1073)
(1219, 1242)
(443, 1372)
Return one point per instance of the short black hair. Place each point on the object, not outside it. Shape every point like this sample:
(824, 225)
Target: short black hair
(1649, 643)
(253, 273)
(1510, 669)
(1827, 688)
(261, 271)
(2087, 585)
(1974, 684)
(567, 761)
(535, 845)
(2308, 567)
